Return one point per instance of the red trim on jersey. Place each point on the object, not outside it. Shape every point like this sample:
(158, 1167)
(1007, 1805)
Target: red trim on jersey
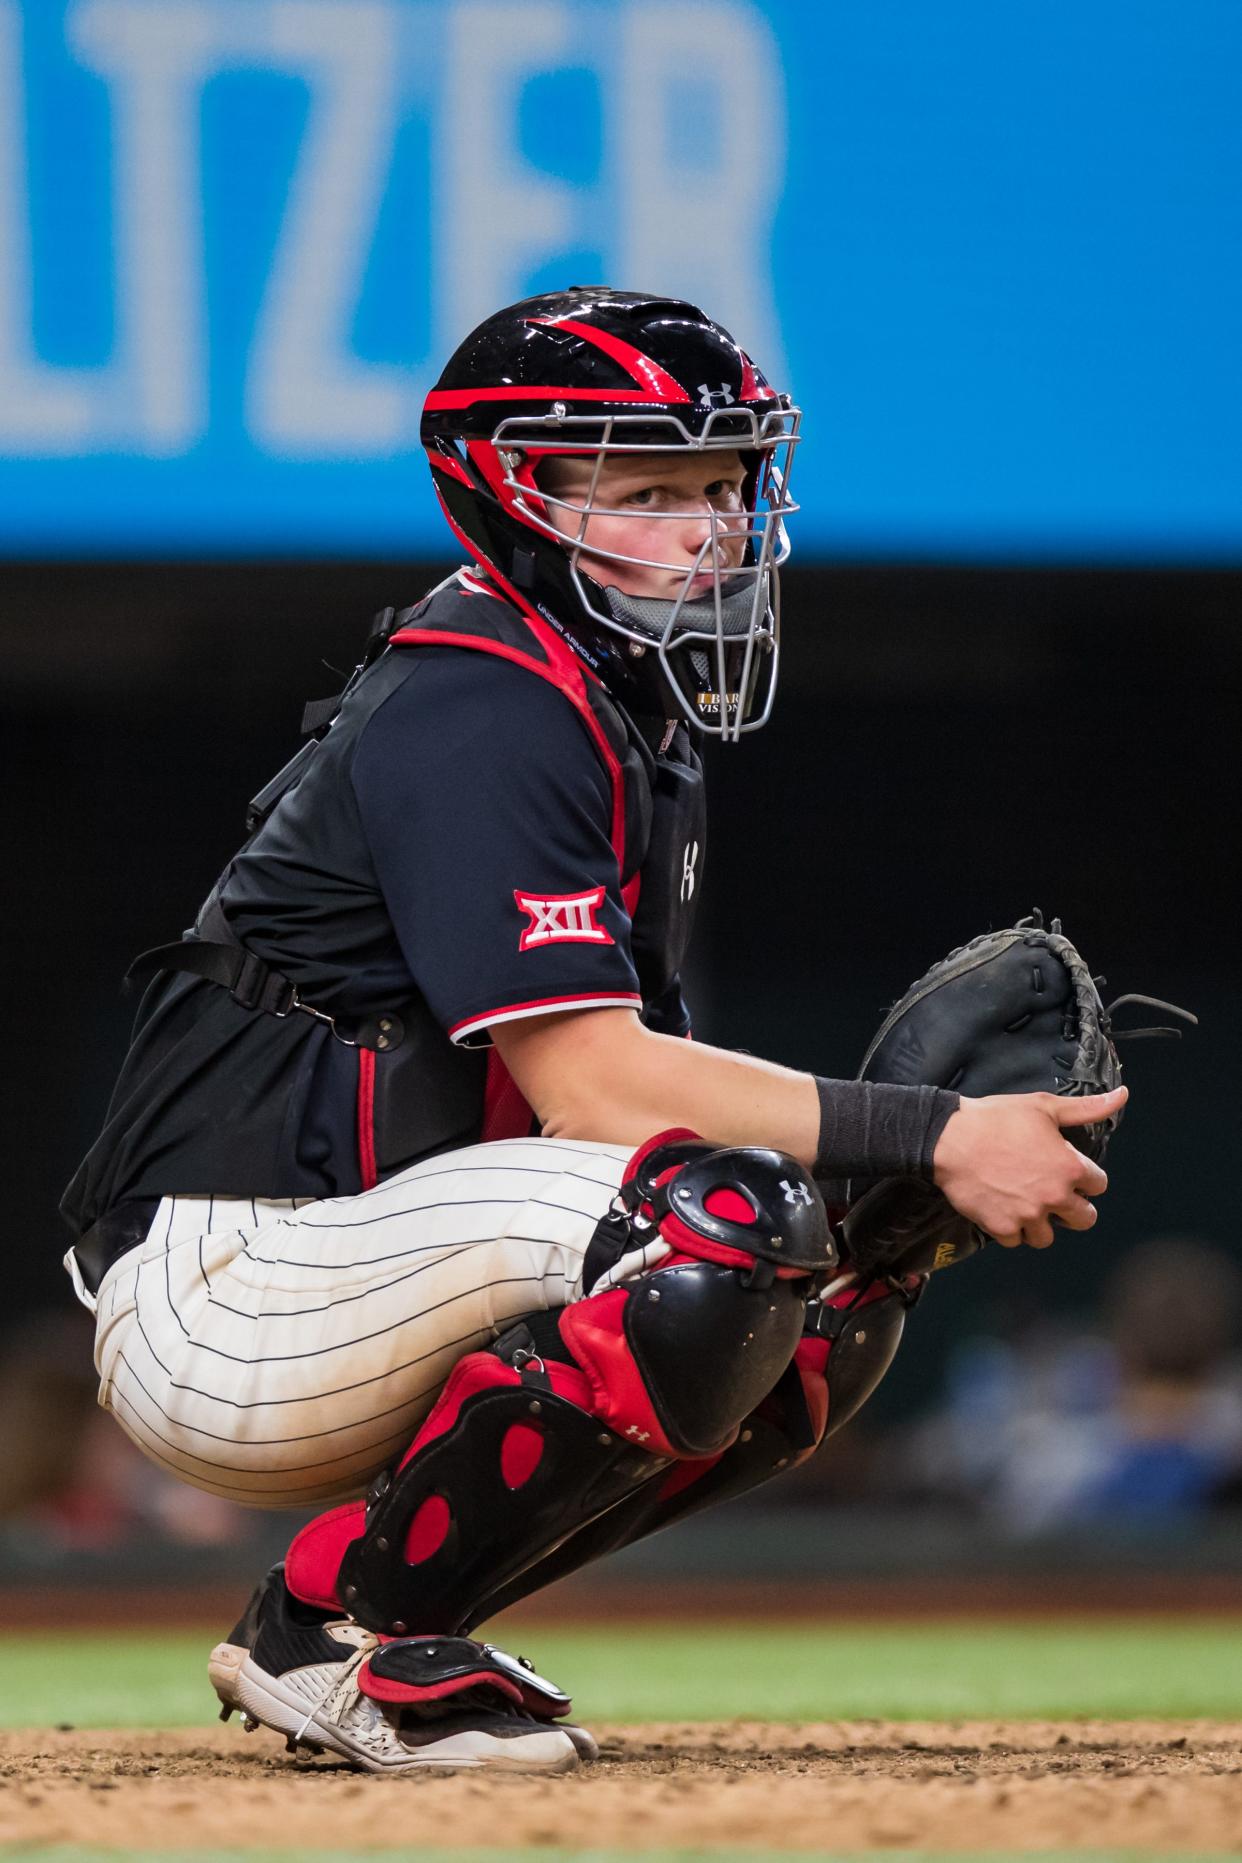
(566, 672)
(366, 1118)
(646, 372)
(620, 999)
(629, 893)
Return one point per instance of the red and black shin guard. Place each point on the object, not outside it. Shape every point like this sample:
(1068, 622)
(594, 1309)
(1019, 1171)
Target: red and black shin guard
(568, 1417)
(848, 1343)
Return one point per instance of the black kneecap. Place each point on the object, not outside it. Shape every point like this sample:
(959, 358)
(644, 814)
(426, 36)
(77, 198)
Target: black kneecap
(708, 1347)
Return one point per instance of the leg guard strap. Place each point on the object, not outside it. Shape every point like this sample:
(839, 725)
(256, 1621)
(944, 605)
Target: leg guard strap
(423, 1672)
(852, 1339)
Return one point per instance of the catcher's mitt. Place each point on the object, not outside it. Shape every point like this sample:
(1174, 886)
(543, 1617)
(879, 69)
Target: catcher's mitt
(1014, 1011)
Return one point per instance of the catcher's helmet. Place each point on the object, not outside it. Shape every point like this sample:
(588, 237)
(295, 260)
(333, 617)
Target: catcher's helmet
(592, 373)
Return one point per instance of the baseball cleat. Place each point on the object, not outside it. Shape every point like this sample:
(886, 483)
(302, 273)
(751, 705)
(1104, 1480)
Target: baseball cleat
(304, 1673)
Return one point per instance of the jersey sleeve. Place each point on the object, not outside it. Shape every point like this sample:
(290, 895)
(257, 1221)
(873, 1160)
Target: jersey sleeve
(487, 812)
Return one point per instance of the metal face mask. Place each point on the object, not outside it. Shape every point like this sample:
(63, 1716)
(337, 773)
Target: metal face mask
(601, 376)
(717, 637)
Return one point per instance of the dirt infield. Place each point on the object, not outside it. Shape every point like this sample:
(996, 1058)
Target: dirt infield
(837, 1785)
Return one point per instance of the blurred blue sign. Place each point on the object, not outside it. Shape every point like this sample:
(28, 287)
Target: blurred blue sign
(993, 249)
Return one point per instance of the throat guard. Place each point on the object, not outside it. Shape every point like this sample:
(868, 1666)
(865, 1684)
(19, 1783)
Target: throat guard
(707, 649)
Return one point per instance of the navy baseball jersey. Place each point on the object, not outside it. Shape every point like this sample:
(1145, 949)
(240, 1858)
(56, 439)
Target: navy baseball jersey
(471, 842)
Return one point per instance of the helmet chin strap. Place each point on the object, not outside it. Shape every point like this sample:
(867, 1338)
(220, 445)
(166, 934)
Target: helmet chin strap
(649, 614)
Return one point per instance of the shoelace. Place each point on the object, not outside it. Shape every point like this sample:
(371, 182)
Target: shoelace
(341, 1693)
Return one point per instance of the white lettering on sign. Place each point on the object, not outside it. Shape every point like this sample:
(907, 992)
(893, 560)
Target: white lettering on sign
(43, 410)
(155, 60)
(692, 227)
(495, 215)
(691, 223)
(307, 392)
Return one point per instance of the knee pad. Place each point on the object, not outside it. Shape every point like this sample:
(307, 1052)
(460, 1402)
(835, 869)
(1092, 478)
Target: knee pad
(678, 1357)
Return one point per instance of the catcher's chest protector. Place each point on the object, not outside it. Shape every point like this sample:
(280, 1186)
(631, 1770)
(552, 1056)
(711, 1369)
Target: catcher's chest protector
(221, 1041)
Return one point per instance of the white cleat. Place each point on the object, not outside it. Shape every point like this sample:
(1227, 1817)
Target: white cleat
(294, 1669)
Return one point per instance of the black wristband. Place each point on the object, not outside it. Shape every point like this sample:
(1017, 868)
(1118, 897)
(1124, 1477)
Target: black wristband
(870, 1129)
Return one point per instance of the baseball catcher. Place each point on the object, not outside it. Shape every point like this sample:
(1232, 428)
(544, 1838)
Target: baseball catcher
(413, 1202)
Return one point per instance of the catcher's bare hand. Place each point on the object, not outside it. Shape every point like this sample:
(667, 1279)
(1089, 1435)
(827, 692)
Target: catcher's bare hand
(1003, 1163)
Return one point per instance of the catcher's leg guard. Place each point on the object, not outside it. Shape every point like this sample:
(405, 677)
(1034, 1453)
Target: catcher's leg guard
(560, 1421)
(849, 1341)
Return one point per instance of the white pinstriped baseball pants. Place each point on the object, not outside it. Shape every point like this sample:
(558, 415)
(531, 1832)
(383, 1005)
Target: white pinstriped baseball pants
(280, 1353)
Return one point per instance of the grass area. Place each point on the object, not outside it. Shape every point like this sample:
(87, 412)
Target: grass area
(1123, 1669)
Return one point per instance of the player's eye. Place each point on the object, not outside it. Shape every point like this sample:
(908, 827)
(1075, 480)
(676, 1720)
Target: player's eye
(645, 495)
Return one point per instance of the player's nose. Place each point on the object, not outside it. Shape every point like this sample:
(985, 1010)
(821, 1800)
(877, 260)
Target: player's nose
(695, 528)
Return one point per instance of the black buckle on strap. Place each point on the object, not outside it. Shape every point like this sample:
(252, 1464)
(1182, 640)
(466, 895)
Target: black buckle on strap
(258, 986)
(823, 1322)
(516, 1348)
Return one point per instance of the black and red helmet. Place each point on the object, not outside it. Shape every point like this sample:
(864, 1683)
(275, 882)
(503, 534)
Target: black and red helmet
(591, 373)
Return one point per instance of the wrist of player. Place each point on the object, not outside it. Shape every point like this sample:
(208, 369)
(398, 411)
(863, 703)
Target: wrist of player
(871, 1129)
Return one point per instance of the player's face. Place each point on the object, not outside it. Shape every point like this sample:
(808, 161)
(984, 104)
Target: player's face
(665, 507)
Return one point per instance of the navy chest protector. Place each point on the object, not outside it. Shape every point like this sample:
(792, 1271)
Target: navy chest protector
(414, 1085)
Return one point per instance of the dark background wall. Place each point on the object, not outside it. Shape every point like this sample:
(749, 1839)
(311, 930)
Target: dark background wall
(950, 748)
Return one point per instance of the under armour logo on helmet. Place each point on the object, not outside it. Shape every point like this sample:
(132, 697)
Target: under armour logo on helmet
(796, 1193)
(722, 397)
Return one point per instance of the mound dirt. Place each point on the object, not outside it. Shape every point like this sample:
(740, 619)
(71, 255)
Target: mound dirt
(831, 1786)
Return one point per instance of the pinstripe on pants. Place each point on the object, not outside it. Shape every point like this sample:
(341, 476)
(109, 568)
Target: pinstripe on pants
(281, 1352)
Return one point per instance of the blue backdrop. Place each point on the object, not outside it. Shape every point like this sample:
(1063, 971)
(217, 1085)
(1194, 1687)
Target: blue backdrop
(992, 248)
